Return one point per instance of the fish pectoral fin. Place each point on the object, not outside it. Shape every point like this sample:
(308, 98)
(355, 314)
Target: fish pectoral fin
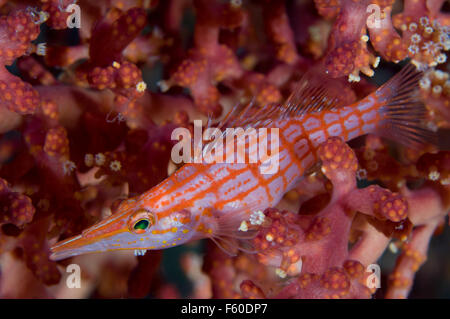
(226, 245)
(234, 231)
(232, 246)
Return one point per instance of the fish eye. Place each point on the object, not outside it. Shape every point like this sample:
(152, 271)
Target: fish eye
(141, 224)
(140, 221)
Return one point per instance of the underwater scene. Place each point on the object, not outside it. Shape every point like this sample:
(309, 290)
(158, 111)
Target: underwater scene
(250, 149)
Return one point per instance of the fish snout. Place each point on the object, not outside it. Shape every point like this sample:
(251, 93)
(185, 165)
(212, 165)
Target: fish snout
(93, 239)
(72, 246)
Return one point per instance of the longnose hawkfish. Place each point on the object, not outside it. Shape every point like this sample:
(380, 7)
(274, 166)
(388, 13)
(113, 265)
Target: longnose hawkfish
(224, 201)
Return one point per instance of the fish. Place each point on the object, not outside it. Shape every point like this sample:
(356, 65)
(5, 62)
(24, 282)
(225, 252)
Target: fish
(225, 201)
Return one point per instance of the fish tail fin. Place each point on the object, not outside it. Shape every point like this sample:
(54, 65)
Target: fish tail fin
(402, 112)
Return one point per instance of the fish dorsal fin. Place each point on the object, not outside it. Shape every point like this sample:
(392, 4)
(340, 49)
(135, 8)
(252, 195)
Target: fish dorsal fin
(315, 92)
(312, 94)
